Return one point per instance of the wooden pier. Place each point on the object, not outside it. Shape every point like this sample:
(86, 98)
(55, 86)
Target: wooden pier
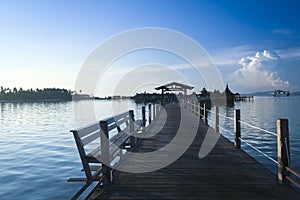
(243, 98)
(225, 173)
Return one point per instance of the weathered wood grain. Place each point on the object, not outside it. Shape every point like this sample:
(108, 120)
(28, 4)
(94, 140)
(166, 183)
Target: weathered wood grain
(225, 173)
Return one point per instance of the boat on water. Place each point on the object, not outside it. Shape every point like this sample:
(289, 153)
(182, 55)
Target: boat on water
(280, 93)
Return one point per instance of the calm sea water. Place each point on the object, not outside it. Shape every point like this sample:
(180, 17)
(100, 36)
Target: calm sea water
(263, 113)
(38, 153)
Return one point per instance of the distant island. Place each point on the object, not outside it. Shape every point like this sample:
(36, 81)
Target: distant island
(46, 94)
(269, 93)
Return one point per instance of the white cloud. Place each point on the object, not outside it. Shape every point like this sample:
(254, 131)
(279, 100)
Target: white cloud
(258, 73)
(227, 57)
(291, 53)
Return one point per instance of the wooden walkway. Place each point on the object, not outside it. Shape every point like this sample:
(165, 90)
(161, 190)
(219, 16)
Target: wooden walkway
(226, 173)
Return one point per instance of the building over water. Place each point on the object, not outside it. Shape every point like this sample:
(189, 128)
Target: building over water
(229, 96)
(217, 98)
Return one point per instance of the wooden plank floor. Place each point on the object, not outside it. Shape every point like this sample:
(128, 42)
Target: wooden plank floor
(226, 173)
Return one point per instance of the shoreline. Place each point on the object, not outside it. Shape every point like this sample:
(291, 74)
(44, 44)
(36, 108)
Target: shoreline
(35, 101)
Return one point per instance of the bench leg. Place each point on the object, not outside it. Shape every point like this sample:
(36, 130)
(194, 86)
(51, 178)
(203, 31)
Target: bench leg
(121, 153)
(81, 190)
(106, 175)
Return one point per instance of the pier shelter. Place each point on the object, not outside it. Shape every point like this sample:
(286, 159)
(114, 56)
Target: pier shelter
(174, 86)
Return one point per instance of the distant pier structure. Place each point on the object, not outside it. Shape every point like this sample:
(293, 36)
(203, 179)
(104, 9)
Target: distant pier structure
(243, 98)
(175, 87)
(231, 97)
(167, 95)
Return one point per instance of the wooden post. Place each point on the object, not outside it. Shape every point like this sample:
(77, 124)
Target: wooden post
(237, 129)
(194, 107)
(205, 114)
(187, 104)
(154, 112)
(217, 119)
(131, 128)
(144, 115)
(199, 110)
(105, 153)
(283, 150)
(150, 115)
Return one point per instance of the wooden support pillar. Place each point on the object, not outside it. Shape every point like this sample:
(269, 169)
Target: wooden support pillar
(158, 109)
(162, 97)
(194, 107)
(144, 115)
(154, 112)
(150, 114)
(201, 112)
(105, 153)
(283, 150)
(205, 114)
(237, 129)
(131, 128)
(217, 119)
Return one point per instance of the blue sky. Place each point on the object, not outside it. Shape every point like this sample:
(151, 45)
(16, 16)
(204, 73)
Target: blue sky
(255, 44)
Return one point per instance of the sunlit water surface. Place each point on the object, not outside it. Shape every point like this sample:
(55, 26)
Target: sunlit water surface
(37, 151)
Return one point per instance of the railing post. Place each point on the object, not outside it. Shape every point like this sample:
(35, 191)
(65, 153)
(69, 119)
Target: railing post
(283, 150)
(217, 119)
(150, 114)
(154, 112)
(194, 107)
(131, 128)
(105, 153)
(199, 109)
(144, 115)
(205, 114)
(187, 104)
(237, 129)
(158, 107)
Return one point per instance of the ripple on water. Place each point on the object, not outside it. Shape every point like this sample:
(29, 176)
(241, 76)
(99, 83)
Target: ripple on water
(38, 152)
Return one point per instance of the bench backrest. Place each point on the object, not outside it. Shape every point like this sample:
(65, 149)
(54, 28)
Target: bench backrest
(90, 136)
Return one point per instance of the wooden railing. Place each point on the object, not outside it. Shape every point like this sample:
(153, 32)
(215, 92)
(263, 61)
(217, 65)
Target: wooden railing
(283, 145)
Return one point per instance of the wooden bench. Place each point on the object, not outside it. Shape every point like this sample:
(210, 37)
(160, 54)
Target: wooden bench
(97, 148)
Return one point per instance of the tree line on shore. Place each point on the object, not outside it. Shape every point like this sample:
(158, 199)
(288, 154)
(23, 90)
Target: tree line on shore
(35, 94)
